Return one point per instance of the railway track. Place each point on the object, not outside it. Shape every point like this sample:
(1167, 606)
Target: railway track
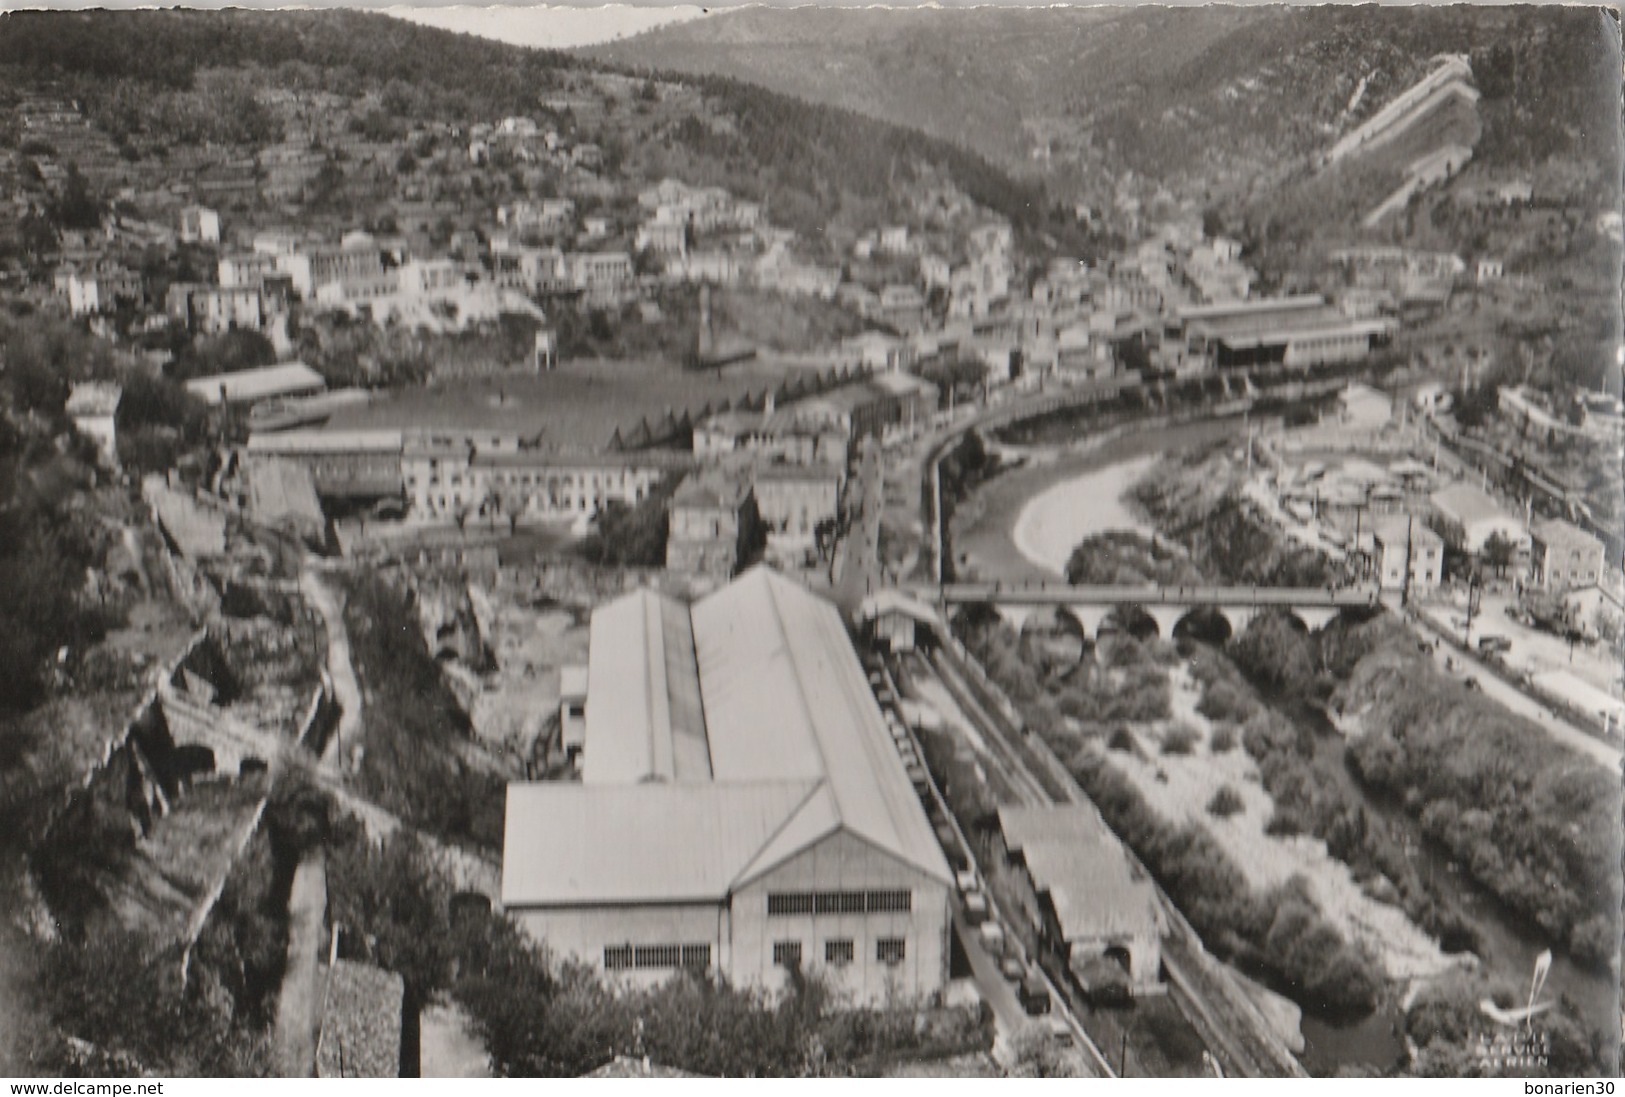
(1233, 1029)
(1060, 1002)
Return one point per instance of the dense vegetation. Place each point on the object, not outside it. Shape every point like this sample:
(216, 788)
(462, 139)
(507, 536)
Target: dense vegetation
(122, 57)
(1531, 821)
(1311, 796)
(541, 1018)
(1280, 934)
(632, 536)
(1232, 544)
(415, 757)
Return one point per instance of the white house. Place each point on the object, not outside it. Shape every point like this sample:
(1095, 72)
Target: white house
(200, 225)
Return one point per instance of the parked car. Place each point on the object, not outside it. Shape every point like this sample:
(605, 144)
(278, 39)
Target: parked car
(1014, 969)
(991, 935)
(975, 908)
(1034, 995)
(1494, 645)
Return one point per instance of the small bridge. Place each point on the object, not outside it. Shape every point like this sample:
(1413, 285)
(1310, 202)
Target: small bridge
(1090, 606)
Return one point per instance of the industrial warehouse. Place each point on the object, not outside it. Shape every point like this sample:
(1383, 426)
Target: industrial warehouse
(741, 808)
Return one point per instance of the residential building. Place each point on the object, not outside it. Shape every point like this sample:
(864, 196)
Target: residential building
(534, 270)
(771, 435)
(741, 808)
(99, 289)
(431, 277)
(793, 499)
(604, 278)
(902, 308)
(877, 351)
(245, 269)
(456, 477)
(662, 237)
(708, 513)
(214, 309)
(1564, 556)
(200, 225)
(1401, 541)
(93, 405)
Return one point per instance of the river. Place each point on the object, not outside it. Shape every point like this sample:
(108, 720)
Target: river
(1077, 494)
(1507, 945)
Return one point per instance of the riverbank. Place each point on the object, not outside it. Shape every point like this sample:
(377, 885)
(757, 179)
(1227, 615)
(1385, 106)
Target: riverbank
(1056, 520)
(1182, 786)
(984, 524)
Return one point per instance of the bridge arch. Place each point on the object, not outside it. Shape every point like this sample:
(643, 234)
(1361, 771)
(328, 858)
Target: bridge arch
(1059, 632)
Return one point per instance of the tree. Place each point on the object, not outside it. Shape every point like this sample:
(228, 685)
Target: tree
(1034, 1053)
(1500, 551)
(75, 207)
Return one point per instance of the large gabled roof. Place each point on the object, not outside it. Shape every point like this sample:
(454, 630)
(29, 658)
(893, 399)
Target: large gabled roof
(581, 845)
(722, 740)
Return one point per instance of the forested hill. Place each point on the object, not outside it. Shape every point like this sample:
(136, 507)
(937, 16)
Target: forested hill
(162, 78)
(338, 50)
(1212, 93)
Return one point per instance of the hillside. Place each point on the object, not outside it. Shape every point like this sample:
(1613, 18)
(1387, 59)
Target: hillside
(1235, 93)
(248, 92)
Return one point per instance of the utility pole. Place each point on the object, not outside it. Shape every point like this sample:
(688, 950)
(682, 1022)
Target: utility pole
(1472, 609)
(1405, 588)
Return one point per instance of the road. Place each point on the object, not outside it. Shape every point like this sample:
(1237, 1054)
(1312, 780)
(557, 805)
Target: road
(339, 669)
(860, 565)
(298, 1009)
(1510, 697)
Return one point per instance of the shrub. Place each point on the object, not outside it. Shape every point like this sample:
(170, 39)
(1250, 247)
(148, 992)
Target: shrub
(1223, 739)
(1225, 803)
(1180, 739)
(1225, 701)
(1123, 739)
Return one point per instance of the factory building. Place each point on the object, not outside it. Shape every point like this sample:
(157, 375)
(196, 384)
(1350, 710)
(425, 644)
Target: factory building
(742, 809)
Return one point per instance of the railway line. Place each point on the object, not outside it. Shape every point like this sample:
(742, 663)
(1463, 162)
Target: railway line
(1094, 1059)
(1231, 1027)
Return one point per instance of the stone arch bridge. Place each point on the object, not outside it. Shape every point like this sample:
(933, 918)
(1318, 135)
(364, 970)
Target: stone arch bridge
(1091, 606)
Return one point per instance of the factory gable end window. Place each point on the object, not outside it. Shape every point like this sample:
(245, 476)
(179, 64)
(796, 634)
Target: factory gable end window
(625, 957)
(838, 952)
(840, 902)
(889, 950)
(787, 953)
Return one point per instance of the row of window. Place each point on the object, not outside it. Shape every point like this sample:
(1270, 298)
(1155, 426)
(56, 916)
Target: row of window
(627, 957)
(839, 952)
(840, 902)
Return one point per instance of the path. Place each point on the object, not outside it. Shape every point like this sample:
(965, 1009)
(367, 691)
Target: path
(299, 1005)
(339, 669)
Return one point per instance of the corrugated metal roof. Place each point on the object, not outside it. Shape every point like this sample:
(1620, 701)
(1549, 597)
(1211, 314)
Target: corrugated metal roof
(721, 740)
(1074, 823)
(1072, 855)
(644, 716)
(569, 844)
(1467, 504)
(1093, 889)
(256, 384)
(785, 696)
